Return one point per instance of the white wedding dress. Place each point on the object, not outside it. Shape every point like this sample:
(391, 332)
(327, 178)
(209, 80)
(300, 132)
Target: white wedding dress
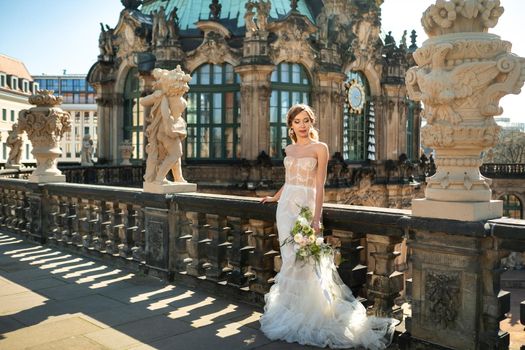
(309, 304)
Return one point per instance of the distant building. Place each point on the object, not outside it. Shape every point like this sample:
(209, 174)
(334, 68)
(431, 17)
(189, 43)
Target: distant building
(506, 124)
(16, 85)
(79, 101)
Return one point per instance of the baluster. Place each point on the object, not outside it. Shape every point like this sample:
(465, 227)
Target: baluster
(183, 227)
(3, 207)
(199, 230)
(246, 251)
(214, 253)
(385, 283)
(72, 223)
(109, 228)
(54, 210)
(99, 239)
(86, 224)
(351, 271)
(62, 218)
(233, 269)
(80, 223)
(124, 232)
(139, 235)
(262, 256)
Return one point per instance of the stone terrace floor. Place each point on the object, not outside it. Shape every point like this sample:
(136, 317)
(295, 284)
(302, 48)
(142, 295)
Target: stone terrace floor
(55, 300)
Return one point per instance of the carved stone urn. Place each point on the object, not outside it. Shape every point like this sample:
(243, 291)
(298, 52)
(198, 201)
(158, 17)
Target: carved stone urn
(126, 152)
(45, 124)
(462, 73)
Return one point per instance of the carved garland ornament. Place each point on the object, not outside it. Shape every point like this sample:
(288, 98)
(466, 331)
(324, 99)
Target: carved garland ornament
(442, 296)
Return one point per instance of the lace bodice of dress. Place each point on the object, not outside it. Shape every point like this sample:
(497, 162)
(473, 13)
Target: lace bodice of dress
(300, 171)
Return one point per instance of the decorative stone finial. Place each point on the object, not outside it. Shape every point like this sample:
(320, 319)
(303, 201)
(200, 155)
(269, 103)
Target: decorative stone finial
(462, 74)
(413, 40)
(45, 125)
(215, 10)
(457, 16)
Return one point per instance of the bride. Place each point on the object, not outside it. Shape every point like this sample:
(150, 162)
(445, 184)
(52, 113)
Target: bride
(309, 303)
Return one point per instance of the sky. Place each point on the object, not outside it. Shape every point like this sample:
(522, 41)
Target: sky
(51, 36)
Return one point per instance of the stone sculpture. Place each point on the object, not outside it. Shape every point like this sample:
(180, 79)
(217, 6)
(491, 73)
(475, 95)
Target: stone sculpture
(45, 124)
(462, 73)
(86, 155)
(165, 131)
(14, 142)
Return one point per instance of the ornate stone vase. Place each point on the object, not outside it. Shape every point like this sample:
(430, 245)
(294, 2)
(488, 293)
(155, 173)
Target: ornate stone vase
(45, 124)
(462, 73)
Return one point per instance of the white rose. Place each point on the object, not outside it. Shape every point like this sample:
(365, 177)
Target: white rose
(319, 240)
(302, 220)
(298, 238)
(311, 239)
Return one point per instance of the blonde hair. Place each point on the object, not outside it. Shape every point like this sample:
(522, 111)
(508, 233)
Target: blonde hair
(293, 112)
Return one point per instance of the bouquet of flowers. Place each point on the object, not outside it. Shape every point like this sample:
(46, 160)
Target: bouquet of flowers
(307, 245)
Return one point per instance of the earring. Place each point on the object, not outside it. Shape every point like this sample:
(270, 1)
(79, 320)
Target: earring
(291, 132)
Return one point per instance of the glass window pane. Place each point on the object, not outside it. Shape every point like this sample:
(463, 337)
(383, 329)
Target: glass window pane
(296, 97)
(204, 142)
(275, 76)
(204, 73)
(285, 72)
(216, 139)
(296, 73)
(217, 74)
(217, 108)
(228, 72)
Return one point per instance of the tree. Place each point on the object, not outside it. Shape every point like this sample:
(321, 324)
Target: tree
(510, 148)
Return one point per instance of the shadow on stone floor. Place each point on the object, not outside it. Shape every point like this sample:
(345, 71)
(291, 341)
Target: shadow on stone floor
(52, 299)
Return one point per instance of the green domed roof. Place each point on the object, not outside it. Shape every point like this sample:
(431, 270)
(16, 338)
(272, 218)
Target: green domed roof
(232, 12)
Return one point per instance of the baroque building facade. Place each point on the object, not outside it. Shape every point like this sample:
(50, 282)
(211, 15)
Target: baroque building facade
(250, 61)
(16, 85)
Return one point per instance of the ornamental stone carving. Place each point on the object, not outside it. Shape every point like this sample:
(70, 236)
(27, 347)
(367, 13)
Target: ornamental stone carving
(45, 124)
(462, 73)
(214, 49)
(442, 298)
(14, 142)
(86, 155)
(165, 131)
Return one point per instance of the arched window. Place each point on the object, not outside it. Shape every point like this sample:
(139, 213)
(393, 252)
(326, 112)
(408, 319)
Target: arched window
(290, 85)
(133, 114)
(358, 120)
(213, 113)
(512, 207)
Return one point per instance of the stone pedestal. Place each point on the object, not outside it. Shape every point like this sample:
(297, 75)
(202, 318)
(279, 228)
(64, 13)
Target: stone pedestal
(466, 211)
(173, 187)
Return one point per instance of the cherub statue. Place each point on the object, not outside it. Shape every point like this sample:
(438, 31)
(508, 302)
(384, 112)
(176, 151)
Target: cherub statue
(14, 142)
(86, 156)
(166, 127)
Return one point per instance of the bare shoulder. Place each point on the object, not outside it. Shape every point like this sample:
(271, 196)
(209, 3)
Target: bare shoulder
(321, 148)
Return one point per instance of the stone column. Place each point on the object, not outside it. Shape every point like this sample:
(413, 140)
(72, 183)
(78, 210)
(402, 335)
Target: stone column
(462, 73)
(328, 105)
(45, 124)
(255, 108)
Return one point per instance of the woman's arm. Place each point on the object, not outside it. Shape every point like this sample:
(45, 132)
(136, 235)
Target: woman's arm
(273, 198)
(320, 179)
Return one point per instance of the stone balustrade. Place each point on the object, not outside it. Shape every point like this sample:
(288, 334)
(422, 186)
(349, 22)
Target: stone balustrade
(228, 245)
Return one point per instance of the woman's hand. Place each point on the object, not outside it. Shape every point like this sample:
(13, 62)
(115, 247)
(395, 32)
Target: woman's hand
(268, 199)
(316, 225)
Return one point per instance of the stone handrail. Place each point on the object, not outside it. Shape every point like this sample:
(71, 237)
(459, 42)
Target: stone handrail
(228, 245)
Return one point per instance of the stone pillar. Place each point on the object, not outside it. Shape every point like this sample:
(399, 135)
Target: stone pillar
(462, 73)
(328, 105)
(45, 124)
(394, 122)
(255, 109)
(456, 297)
(157, 231)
